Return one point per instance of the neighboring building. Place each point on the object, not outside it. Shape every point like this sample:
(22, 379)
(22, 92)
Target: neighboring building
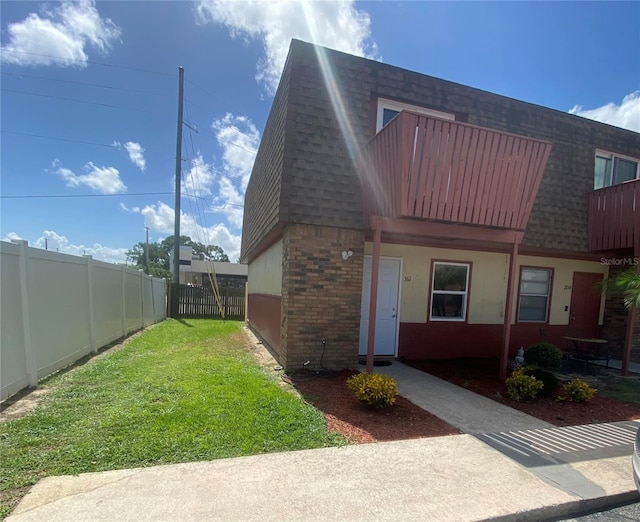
(488, 220)
(195, 270)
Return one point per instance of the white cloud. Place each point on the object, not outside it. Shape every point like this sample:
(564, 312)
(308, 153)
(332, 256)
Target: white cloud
(105, 180)
(159, 218)
(337, 24)
(57, 242)
(239, 139)
(10, 236)
(199, 179)
(135, 151)
(136, 154)
(625, 115)
(134, 210)
(59, 36)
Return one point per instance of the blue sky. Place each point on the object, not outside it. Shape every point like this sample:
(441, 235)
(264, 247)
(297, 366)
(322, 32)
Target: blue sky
(89, 96)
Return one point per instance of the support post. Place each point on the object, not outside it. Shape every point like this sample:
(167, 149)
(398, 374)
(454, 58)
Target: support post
(92, 319)
(30, 361)
(142, 298)
(373, 298)
(506, 332)
(124, 300)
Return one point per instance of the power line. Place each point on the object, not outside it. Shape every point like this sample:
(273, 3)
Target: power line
(75, 100)
(59, 139)
(82, 62)
(47, 196)
(19, 75)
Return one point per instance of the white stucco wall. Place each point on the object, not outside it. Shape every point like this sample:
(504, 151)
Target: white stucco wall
(488, 281)
(265, 272)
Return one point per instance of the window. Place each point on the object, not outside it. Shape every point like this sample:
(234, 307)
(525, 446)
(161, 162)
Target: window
(449, 291)
(611, 169)
(388, 109)
(535, 287)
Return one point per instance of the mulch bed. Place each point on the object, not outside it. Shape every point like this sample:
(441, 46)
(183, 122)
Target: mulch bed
(404, 420)
(481, 376)
(361, 424)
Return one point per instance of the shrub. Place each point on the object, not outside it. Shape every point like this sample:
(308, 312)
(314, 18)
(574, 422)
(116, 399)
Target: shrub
(578, 391)
(545, 355)
(521, 386)
(374, 389)
(549, 381)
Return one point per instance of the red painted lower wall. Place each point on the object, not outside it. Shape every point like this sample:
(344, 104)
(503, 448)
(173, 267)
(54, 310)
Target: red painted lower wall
(445, 340)
(263, 315)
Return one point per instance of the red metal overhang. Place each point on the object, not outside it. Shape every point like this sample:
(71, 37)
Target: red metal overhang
(614, 217)
(435, 170)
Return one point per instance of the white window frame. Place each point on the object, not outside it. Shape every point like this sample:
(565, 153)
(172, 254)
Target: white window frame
(464, 293)
(612, 156)
(547, 295)
(383, 104)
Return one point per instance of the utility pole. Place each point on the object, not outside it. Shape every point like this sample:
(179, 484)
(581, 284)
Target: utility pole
(146, 252)
(176, 233)
(46, 243)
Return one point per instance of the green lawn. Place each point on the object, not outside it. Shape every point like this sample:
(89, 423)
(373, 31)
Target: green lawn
(622, 389)
(182, 391)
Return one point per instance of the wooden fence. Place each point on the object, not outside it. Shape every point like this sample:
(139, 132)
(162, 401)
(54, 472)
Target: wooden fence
(200, 302)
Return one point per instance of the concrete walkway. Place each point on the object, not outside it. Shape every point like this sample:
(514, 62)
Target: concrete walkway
(463, 409)
(455, 478)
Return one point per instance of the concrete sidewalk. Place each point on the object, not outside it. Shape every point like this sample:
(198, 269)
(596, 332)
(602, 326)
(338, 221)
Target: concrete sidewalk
(463, 409)
(469, 477)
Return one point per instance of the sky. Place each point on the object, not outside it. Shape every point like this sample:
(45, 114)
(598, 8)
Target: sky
(89, 96)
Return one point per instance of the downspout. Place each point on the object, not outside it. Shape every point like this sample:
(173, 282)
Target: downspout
(373, 297)
(506, 332)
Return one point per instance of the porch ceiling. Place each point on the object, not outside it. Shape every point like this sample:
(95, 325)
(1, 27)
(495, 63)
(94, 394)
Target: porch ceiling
(450, 172)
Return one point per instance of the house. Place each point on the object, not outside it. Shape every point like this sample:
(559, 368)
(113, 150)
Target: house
(391, 213)
(195, 270)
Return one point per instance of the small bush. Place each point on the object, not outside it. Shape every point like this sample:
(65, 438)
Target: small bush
(521, 386)
(545, 355)
(578, 391)
(549, 381)
(374, 389)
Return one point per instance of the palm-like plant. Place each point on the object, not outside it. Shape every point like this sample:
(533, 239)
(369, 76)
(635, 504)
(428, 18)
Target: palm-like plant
(626, 284)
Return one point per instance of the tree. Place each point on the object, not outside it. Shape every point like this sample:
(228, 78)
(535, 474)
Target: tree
(159, 255)
(211, 252)
(626, 284)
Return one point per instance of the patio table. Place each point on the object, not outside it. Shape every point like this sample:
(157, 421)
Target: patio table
(588, 349)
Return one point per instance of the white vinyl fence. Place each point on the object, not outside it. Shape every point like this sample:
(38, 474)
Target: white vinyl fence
(56, 308)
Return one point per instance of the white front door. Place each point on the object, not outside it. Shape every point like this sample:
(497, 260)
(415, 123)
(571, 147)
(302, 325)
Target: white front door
(386, 307)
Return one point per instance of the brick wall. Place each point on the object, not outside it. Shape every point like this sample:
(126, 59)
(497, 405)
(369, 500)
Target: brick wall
(320, 296)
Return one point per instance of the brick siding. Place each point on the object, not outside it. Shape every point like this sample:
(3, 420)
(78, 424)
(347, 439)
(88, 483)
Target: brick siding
(321, 296)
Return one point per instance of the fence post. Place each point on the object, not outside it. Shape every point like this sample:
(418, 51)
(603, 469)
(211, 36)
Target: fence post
(31, 367)
(153, 299)
(92, 320)
(124, 300)
(141, 298)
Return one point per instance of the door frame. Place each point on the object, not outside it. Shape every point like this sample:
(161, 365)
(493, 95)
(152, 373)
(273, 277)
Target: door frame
(398, 306)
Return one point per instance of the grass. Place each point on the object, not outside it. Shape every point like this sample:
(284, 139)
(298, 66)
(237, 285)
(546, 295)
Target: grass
(622, 389)
(180, 392)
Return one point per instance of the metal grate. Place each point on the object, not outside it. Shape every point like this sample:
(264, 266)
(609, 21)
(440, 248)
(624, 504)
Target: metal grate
(557, 442)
